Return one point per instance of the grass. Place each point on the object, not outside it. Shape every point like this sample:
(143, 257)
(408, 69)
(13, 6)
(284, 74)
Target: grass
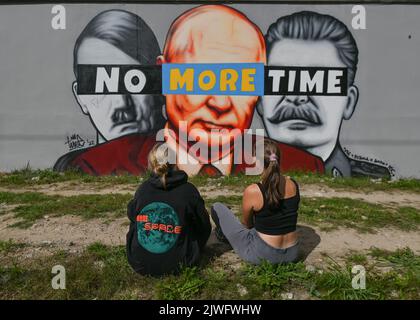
(10, 246)
(327, 213)
(335, 284)
(402, 258)
(364, 184)
(185, 286)
(402, 281)
(28, 177)
(357, 258)
(330, 213)
(99, 272)
(32, 206)
(102, 272)
(275, 279)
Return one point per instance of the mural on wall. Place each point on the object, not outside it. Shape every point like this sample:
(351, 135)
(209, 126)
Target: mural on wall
(306, 127)
(189, 40)
(121, 38)
(314, 122)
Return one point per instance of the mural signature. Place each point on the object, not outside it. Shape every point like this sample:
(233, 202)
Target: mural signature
(75, 141)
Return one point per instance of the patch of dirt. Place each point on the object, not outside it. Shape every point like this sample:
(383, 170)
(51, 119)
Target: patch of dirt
(393, 198)
(24, 256)
(66, 232)
(211, 192)
(72, 233)
(7, 220)
(316, 243)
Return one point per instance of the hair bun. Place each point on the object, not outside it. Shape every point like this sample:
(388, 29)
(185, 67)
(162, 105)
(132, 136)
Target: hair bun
(162, 169)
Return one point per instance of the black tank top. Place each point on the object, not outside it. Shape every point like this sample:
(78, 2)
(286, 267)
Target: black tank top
(277, 220)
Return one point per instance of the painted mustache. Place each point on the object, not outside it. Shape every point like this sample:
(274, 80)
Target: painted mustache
(293, 112)
(124, 114)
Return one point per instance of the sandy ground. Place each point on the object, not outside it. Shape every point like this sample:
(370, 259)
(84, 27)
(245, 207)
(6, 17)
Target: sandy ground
(73, 233)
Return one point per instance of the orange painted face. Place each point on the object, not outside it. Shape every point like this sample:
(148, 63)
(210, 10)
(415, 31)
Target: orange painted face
(216, 34)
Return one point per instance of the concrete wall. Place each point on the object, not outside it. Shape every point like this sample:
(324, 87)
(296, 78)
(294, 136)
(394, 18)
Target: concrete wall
(40, 118)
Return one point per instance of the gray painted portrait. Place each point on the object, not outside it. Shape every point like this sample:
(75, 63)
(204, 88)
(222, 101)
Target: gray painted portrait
(118, 37)
(310, 39)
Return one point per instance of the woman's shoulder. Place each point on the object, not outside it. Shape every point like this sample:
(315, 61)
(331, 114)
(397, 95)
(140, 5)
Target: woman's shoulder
(190, 186)
(254, 193)
(294, 182)
(141, 188)
(145, 184)
(189, 190)
(291, 187)
(253, 188)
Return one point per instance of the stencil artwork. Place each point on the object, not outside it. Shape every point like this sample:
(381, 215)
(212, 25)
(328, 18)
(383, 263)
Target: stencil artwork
(309, 91)
(121, 38)
(125, 136)
(313, 122)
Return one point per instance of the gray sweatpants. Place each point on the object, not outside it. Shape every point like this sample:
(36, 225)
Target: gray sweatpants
(247, 243)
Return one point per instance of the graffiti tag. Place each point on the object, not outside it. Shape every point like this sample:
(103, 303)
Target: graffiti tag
(75, 141)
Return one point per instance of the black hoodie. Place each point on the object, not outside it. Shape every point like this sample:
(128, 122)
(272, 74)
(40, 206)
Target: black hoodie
(168, 226)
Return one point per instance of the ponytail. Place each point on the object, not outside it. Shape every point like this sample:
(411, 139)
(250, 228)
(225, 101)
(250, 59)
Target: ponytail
(272, 180)
(158, 162)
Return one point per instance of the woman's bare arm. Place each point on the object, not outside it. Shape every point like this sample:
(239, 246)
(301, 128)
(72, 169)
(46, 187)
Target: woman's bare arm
(251, 201)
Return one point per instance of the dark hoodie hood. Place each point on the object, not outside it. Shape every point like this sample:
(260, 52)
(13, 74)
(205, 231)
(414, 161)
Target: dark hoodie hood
(174, 178)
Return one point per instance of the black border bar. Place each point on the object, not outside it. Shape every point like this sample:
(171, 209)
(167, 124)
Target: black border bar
(198, 2)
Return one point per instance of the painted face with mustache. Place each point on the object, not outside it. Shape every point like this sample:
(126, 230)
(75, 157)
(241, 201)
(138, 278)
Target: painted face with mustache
(116, 115)
(310, 122)
(305, 115)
